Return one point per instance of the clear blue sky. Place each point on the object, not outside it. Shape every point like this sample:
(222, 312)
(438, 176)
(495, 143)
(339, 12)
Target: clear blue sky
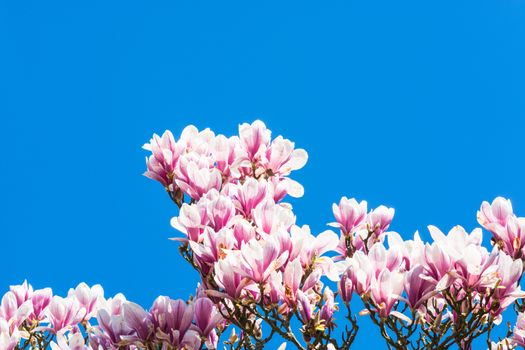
(416, 104)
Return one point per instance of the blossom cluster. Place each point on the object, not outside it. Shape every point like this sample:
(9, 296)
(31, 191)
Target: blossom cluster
(239, 234)
(260, 266)
(264, 275)
(85, 320)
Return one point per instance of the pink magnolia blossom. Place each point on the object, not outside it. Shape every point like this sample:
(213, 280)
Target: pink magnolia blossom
(305, 306)
(329, 307)
(379, 220)
(248, 195)
(349, 214)
(386, 290)
(494, 216)
(255, 139)
(270, 217)
(191, 221)
(231, 279)
(139, 320)
(507, 288)
(259, 258)
(228, 155)
(163, 160)
(172, 320)
(206, 316)
(40, 300)
(292, 276)
(214, 246)
(418, 289)
(11, 312)
(63, 313)
(22, 292)
(281, 158)
(88, 297)
(196, 178)
(113, 329)
(512, 238)
(282, 186)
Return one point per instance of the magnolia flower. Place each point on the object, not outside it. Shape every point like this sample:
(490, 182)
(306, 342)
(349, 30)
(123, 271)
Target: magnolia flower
(40, 300)
(512, 239)
(281, 158)
(494, 216)
(139, 320)
(206, 316)
(270, 217)
(292, 276)
(111, 330)
(11, 312)
(507, 289)
(172, 320)
(230, 278)
(228, 155)
(418, 289)
(22, 292)
(349, 214)
(259, 258)
(191, 221)
(163, 160)
(255, 139)
(329, 307)
(88, 297)
(63, 313)
(248, 195)
(379, 219)
(386, 289)
(196, 178)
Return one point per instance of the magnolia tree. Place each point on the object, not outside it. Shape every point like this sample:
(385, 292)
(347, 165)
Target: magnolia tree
(264, 277)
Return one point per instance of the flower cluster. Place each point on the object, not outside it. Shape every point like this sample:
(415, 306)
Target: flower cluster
(240, 235)
(264, 275)
(260, 267)
(85, 320)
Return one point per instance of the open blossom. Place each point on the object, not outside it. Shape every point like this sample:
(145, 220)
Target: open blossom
(418, 290)
(88, 297)
(63, 313)
(173, 322)
(248, 195)
(379, 219)
(507, 288)
(270, 217)
(386, 289)
(494, 216)
(206, 316)
(281, 158)
(350, 215)
(255, 139)
(196, 178)
(40, 300)
(231, 279)
(512, 237)
(165, 154)
(11, 312)
(259, 258)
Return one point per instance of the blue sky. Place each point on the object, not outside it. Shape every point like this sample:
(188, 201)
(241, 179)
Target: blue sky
(414, 104)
